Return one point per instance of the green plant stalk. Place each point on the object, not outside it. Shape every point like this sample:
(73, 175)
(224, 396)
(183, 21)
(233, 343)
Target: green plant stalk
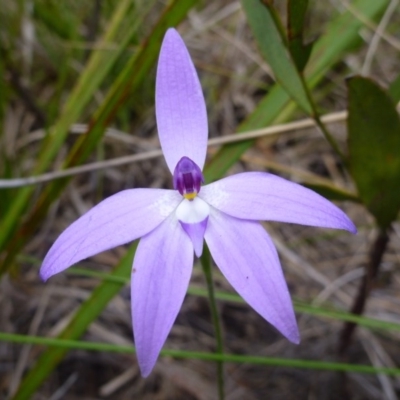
(87, 313)
(206, 263)
(371, 272)
(325, 131)
(243, 359)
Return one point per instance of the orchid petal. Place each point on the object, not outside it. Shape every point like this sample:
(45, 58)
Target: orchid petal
(117, 220)
(160, 278)
(180, 107)
(192, 211)
(196, 233)
(248, 259)
(262, 196)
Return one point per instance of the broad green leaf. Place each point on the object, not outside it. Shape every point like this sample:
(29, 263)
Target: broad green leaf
(374, 148)
(272, 44)
(296, 15)
(394, 89)
(332, 192)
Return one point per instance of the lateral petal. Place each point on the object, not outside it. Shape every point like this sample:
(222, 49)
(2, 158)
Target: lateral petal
(160, 278)
(180, 106)
(261, 196)
(117, 220)
(246, 256)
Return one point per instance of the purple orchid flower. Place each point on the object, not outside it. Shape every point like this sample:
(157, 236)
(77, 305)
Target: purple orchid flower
(173, 224)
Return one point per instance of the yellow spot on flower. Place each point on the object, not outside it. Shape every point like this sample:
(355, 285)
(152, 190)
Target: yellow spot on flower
(190, 196)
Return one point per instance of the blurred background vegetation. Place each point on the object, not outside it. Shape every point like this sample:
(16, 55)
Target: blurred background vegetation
(77, 124)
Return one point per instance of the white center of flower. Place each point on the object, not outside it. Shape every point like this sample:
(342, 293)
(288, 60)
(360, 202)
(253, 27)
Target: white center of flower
(192, 211)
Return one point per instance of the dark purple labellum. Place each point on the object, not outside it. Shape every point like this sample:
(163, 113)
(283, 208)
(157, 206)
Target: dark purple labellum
(187, 178)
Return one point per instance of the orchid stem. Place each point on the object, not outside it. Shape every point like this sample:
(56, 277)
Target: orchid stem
(205, 260)
(371, 272)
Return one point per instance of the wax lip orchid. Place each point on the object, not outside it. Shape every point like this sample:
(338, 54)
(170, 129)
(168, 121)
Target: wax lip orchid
(173, 224)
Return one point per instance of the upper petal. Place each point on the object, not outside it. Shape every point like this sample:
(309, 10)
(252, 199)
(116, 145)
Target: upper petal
(262, 196)
(160, 278)
(117, 220)
(246, 256)
(180, 107)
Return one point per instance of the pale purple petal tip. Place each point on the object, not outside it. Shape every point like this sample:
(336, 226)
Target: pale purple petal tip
(180, 106)
(196, 234)
(248, 259)
(261, 196)
(160, 278)
(44, 276)
(117, 220)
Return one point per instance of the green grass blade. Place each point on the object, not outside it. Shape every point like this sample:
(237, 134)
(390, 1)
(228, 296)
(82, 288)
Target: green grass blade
(274, 49)
(296, 12)
(65, 345)
(300, 307)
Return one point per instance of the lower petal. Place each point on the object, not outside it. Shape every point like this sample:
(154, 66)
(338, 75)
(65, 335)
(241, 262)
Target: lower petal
(246, 256)
(196, 233)
(193, 216)
(160, 278)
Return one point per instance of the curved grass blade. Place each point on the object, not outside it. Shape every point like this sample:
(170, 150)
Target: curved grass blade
(272, 45)
(296, 10)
